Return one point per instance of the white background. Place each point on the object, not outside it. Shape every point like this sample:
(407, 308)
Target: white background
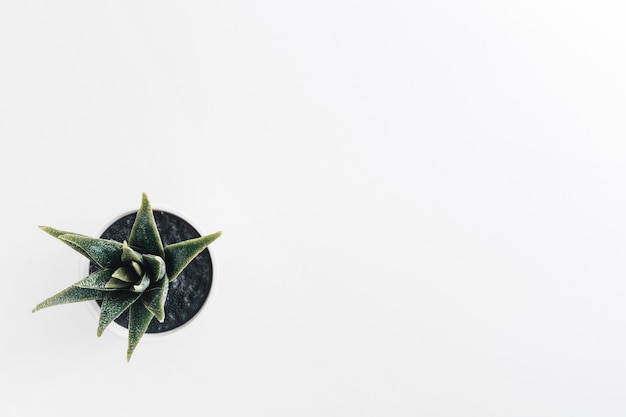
(422, 203)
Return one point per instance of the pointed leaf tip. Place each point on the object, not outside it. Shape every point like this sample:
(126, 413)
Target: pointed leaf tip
(51, 230)
(56, 232)
(179, 255)
(59, 235)
(70, 295)
(144, 233)
(138, 322)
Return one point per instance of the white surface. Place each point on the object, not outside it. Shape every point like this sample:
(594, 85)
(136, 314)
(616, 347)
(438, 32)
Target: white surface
(423, 203)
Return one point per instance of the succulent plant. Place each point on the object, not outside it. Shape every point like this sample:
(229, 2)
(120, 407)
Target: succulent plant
(131, 275)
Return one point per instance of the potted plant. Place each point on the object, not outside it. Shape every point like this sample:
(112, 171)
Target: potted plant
(145, 272)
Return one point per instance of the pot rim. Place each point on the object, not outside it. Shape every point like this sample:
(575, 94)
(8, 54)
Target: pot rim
(122, 331)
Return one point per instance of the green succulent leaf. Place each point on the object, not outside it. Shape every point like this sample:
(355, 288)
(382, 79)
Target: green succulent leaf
(57, 233)
(178, 255)
(141, 287)
(144, 234)
(71, 295)
(154, 299)
(155, 265)
(129, 254)
(139, 320)
(137, 268)
(106, 253)
(114, 304)
(96, 280)
(126, 274)
(116, 284)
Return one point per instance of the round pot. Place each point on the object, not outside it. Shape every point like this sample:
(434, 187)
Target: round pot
(188, 294)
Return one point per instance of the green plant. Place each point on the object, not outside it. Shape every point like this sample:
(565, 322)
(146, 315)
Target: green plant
(132, 275)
